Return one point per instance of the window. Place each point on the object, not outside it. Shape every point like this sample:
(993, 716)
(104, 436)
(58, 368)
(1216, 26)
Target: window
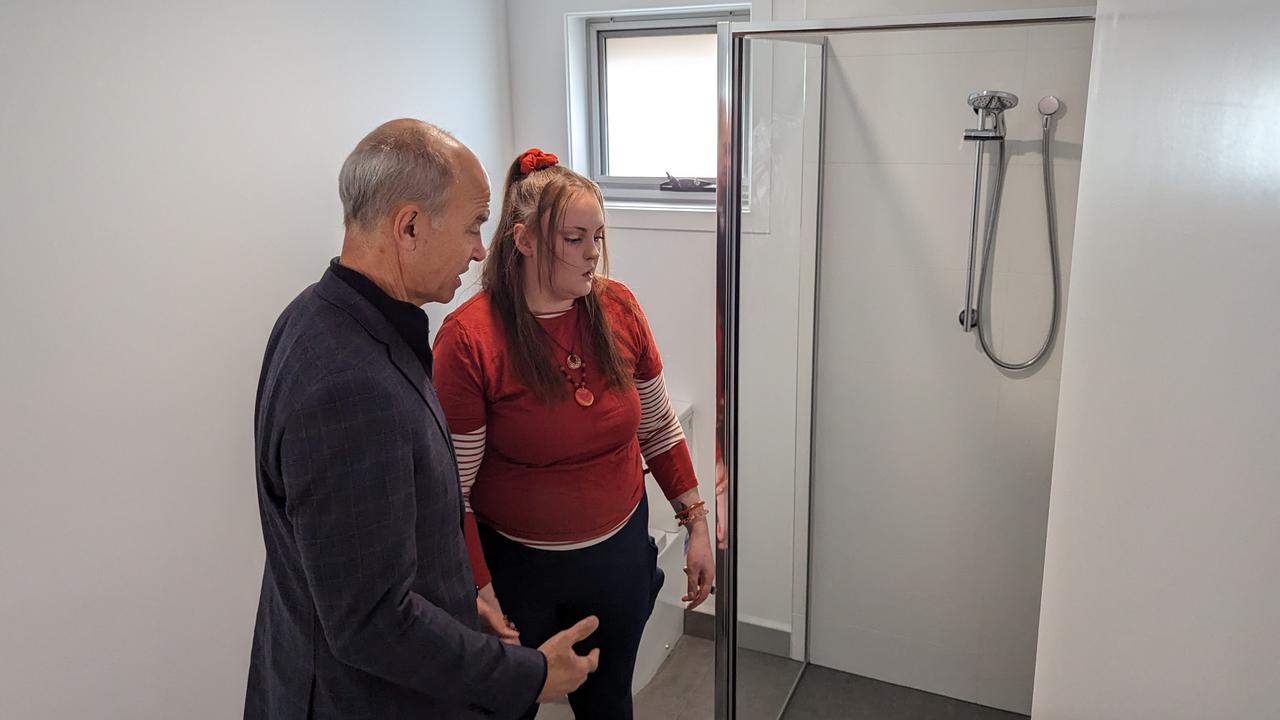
(654, 110)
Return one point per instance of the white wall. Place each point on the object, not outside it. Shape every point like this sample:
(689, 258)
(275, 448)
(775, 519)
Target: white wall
(168, 180)
(1161, 583)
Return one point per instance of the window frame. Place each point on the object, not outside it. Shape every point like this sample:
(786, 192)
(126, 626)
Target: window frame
(598, 31)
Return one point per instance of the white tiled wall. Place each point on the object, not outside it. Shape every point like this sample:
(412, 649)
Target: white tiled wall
(1161, 581)
(933, 466)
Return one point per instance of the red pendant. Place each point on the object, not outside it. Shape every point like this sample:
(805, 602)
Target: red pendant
(584, 397)
(573, 361)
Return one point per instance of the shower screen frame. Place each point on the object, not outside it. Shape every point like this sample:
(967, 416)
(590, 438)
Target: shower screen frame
(733, 46)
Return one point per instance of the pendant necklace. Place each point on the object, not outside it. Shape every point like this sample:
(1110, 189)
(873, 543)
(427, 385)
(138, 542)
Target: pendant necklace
(573, 361)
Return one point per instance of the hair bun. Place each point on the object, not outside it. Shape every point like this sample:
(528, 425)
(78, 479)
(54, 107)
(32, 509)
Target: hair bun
(534, 159)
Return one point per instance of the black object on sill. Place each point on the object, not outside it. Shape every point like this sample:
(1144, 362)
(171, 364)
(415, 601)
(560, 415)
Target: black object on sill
(675, 184)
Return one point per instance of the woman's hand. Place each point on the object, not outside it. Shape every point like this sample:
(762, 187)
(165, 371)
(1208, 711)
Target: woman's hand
(492, 620)
(699, 561)
(700, 564)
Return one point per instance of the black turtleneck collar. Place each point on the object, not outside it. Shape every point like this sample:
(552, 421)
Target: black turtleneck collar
(408, 319)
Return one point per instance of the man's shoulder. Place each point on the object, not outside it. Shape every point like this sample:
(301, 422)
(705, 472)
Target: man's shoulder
(323, 325)
(315, 339)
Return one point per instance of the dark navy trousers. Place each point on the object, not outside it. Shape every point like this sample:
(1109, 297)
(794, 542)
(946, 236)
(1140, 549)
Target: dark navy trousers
(546, 591)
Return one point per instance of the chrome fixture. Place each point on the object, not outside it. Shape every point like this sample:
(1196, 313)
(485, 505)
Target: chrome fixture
(990, 106)
(1049, 105)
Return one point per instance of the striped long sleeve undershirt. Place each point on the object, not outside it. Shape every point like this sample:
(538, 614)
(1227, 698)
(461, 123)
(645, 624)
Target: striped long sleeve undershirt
(658, 433)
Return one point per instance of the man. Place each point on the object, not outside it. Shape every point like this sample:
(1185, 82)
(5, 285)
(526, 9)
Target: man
(368, 608)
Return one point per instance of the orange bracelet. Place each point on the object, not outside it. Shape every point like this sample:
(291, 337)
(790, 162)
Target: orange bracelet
(690, 519)
(689, 510)
(692, 514)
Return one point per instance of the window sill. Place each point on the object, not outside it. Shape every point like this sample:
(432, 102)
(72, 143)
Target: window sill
(680, 218)
(659, 216)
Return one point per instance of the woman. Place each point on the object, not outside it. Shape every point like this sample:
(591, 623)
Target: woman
(553, 389)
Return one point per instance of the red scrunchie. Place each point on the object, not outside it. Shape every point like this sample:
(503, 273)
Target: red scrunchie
(534, 159)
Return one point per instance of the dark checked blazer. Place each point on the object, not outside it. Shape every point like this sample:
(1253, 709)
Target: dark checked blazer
(368, 607)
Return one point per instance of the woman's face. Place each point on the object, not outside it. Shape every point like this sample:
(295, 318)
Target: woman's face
(577, 247)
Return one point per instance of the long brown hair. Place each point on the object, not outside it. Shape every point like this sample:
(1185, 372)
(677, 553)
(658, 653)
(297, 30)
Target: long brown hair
(538, 200)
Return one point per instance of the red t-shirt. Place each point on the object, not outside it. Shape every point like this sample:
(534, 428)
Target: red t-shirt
(554, 472)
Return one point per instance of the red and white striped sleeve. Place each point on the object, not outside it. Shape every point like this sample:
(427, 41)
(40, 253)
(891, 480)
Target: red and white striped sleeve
(662, 440)
(659, 426)
(459, 383)
(470, 449)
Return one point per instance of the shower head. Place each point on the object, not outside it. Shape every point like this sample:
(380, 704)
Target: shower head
(993, 101)
(1049, 105)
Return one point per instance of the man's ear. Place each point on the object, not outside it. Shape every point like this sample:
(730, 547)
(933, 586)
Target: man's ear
(524, 240)
(409, 226)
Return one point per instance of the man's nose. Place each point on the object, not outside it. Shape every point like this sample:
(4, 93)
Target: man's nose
(477, 250)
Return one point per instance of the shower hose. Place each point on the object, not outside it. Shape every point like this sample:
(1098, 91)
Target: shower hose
(988, 253)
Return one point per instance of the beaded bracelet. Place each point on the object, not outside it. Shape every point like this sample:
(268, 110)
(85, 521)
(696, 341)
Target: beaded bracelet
(680, 515)
(696, 513)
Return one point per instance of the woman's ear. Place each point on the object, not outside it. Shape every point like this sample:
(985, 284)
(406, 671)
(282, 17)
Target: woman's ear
(524, 242)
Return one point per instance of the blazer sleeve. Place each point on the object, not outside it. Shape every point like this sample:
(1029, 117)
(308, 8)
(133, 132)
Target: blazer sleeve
(349, 483)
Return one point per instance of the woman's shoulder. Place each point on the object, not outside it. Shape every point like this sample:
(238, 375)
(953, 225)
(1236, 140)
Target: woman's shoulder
(617, 297)
(473, 318)
(473, 309)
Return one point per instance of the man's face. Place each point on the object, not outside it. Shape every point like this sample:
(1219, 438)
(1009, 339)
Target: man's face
(452, 235)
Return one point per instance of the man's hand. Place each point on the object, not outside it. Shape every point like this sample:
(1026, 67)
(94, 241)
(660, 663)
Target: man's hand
(567, 670)
(492, 620)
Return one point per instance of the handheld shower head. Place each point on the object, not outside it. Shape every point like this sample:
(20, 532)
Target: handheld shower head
(1048, 107)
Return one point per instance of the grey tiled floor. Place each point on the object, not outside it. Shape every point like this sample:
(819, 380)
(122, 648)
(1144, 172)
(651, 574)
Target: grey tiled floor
(824, 694)
(684, 689)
